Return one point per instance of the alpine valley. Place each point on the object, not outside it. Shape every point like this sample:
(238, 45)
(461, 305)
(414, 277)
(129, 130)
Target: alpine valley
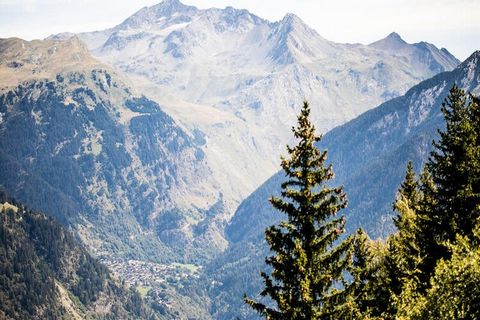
(156, 142)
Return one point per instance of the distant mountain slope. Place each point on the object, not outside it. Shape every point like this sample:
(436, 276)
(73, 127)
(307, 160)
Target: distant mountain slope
(76, 141)
(46, 274)
(422, 55)
(369, 156)
(237, 78)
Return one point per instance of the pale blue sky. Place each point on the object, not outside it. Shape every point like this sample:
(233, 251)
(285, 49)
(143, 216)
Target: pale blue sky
(453, 24)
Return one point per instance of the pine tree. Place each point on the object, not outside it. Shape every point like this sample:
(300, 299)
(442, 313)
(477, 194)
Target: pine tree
(451, 199)
(399, 265)
(430, 269)
(455, 165)
(429, 239)
(405, 258)
(409, 190)
(405, 242)
(308, 278)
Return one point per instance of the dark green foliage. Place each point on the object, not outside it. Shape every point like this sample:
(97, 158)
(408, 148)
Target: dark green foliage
(431, 267)
(409, 191)
(25, 281)
(455, 286)
(309, 265)
(454, 167)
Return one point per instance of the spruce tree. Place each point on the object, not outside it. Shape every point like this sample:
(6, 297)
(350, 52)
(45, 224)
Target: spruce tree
(455, 286)
(429, 239)
(399, 266)
(408, 190)
(455, 164)
(309, 263)
(405, 242)
(452, 197)
(431, 267)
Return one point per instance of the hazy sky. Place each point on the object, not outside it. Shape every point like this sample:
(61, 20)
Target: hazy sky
(453, 24)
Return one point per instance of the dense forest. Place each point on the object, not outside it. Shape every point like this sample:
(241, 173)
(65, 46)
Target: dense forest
(46, 274)
(428, 269)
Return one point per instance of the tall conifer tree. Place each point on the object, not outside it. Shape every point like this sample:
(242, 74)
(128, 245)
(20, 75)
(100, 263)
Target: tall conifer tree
(405, 242)
(455, 164)
(408, 189)
(399, 266)
(452, 196)
(308, 270)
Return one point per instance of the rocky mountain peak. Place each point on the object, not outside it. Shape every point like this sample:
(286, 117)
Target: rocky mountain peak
(292, 22)
(294, 40)
(151, 15)
(170, 7)
(233, 14)
(421, 54)
(394, 37)
(291, 18)
(474, 57)
(391, 42)
(471, 72)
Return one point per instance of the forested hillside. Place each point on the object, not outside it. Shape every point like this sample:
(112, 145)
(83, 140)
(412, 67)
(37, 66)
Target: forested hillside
(46, 274)
(118, 167)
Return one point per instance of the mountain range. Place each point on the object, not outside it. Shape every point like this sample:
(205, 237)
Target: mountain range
(237, 79)
(147, 139)
(167, 170)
